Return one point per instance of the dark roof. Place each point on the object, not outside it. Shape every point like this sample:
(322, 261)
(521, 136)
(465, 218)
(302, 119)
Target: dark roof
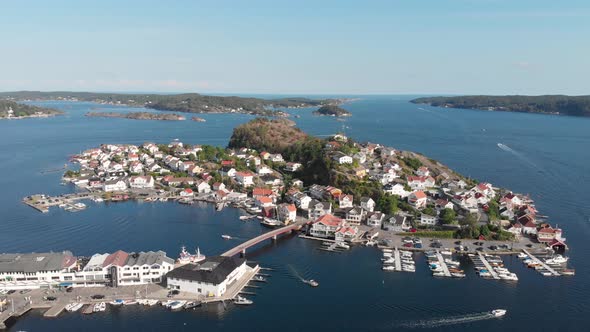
(213, 270)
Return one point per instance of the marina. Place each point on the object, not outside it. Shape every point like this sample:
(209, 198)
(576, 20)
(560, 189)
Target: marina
(539, 265)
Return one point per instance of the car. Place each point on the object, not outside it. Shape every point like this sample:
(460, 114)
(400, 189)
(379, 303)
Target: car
(413, 230)
(12, 291)
(173, 292)
(50, 298)
(69, 289)
(493, 247)
(418, 245)
(458, 242)
(479, 248)
(25, 291)
(97, 296)
(408, 245)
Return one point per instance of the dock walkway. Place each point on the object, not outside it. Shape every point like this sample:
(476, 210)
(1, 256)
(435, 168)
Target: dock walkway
(443, 264)
(398, 260)
(488, 266)
(545, 266)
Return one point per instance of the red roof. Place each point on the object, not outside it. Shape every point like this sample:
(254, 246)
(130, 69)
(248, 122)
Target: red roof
(261, 192)
(291, 208)
(547, 230)
(227, 162)
(117, 258)
(329, 220)
(188, 191)
(264, 199)
(419, 194)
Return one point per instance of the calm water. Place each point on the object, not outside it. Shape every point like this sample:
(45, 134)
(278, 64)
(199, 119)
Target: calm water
(548, 158)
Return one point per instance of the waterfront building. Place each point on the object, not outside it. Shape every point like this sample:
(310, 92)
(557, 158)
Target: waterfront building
(114, 185)
(141, 182)
(287, 212)
(210, 278)
(326, 226)
(36, 270)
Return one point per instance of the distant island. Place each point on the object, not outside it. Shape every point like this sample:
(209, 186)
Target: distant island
(13, 110)
(548, 104)
(185, 103)
(332, 110)
(138, 116)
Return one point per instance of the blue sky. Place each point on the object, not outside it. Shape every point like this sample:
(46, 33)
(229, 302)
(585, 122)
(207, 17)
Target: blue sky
(297, 47)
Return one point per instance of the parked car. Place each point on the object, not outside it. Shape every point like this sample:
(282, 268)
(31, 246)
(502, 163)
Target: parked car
(418, 245)
(50, 298)
(97, 297)
(408, 245)
(25, 291)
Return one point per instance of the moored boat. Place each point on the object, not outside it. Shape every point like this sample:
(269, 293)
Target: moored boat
(242, 301)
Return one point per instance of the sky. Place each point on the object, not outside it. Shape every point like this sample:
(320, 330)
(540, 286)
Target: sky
(297, 47)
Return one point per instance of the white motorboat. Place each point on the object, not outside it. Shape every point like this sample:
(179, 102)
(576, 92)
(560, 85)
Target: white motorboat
(388, 268)
(242, 301)
(167, 303)
(556, 260)
(98, 307)
(390, 260)
(311, 282)
(151, 302)
(225, 236)
(176, 305)
(130, 302)
(117, 302)
(342, 245)
(458, 275)
(387, 254)
(446, 253)
(498, 312)
(508, 276)
(387, 250)
(522, 255)
(72, 307)
(439, 274)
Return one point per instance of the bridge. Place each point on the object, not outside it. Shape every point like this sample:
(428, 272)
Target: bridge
(268, 235)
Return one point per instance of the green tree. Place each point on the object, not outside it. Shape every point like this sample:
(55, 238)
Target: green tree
(448, 216)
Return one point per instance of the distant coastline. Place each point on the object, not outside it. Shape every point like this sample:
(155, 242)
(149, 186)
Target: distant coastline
(10, 110)
(549, 104)
(138, 116)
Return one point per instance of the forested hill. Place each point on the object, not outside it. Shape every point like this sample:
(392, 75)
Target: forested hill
(187, 102)
(11, 109)
(549, 104)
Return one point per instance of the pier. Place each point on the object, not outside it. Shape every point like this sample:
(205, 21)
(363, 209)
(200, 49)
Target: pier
(540, 262)
(443, 264)
(398, 260)
(490, 269)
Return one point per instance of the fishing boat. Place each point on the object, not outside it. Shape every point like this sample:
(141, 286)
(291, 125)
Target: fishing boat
(498, 312)
(439, 274)
(185, 257)
(225, 236)
(192, 304)
(72, 307)
(242, 301)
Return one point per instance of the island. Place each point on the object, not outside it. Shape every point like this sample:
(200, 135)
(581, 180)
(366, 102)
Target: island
(548, 104)
(184, 103)
(13, 110)
(332, 110)
(138, 116)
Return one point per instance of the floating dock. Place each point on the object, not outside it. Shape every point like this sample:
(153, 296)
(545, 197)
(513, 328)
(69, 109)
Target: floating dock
(398, 260)
(540, 262)
(490, 269)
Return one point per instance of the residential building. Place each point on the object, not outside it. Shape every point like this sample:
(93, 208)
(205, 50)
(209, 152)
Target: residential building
(287, 212)
(141, 182)
(246, 179)
(368, 203)
(345, 201)
(417, 199)
(114, 185)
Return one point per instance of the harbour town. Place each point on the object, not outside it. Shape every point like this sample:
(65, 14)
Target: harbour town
(405, 205)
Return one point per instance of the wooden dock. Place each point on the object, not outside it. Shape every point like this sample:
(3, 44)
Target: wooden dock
(488, 266)
(443, 264)
(57, 309)
(398, 260)
(545, 266)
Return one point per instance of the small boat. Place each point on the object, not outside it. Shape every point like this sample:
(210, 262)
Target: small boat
(130, 302)
(458, 275)
(99, 307)
(568, 272)
(271, 223)
(311, 282)
(259, 278)
(342, 245)
(242, 301)
(388, 268)
(72, 307)
(177, 305)
(227, 237)
(167, 303)
(151, 302)
(390, 260)
(446, 253)
(117, 302)
(192, 304)
(439, 274)
(498, 312)
(387, 250)
(522, 255)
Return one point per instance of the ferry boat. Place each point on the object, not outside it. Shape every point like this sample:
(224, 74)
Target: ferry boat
(242, 301)
(498, 312)
(185, 257)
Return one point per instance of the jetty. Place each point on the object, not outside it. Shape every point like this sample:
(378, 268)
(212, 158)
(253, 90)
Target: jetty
(490, 269)
(443, 264)
(540, 262)
(398, 260)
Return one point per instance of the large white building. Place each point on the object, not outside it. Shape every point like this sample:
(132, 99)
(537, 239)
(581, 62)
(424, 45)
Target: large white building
(210, 278)
(48, 270)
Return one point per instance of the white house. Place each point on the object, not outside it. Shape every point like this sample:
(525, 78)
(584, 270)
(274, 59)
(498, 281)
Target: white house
(417, 199)
(368, 204)
(397, 189)
(141, 182)
(292, 167)
(317, 209)
(423, 171)
(203, 187)
(326, 226)
(355, 215)
(398, 223)
(287, 212)
(246, 179)
(375, 219)
(188, 192)
(263, 169)
(421, 182)
(277, 158)
(209, 278)
(345, 233)
(114, 185)
(427, 220)
(342, 158)
(345, 201)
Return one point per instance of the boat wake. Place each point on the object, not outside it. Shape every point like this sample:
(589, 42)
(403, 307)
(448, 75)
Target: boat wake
(451, 320)
(519, 156)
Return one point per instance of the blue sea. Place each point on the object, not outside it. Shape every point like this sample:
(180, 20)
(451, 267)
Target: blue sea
(547, 157)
